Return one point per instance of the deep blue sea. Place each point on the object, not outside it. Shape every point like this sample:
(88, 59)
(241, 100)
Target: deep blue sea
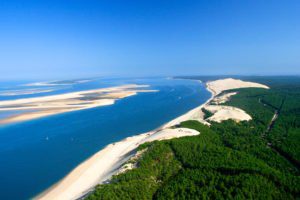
(36, 154)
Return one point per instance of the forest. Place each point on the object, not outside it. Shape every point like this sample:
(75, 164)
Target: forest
(258, 159)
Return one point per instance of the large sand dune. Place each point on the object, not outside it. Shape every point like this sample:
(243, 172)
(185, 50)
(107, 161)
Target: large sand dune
(219, 86)
(221, 113)
(224, 113)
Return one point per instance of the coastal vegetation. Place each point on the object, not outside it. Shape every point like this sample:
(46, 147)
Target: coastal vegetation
(207, 113)
(256, 159)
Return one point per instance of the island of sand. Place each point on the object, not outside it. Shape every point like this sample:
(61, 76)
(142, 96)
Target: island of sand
(54, 104)
(109, 161)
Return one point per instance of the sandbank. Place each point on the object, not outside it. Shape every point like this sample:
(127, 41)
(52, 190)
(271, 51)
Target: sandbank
(55, 104)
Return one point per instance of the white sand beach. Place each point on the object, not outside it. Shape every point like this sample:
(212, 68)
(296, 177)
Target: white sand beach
(107, 162)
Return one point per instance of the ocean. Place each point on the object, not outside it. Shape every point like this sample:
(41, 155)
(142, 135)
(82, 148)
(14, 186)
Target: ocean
(36, 154)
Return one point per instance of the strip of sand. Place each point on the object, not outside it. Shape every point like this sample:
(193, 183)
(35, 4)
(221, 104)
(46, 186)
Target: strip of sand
(54, 104)
(107, 162)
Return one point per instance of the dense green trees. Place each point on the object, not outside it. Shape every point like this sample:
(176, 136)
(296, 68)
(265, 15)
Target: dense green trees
(247, 160)
(211, 184)
(284, 100)
(207, 114)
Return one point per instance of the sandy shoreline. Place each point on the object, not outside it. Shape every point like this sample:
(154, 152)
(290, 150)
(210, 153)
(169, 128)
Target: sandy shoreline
(102, 165)
(105, 163)
(194, 114)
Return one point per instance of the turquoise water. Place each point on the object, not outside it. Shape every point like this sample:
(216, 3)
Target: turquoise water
(38, 153)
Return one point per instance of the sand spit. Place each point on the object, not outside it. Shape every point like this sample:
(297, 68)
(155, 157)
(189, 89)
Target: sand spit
(102, 165)
(54, 104)
(25, 91)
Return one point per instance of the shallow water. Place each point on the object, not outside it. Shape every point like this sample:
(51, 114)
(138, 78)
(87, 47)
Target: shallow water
(37, 153)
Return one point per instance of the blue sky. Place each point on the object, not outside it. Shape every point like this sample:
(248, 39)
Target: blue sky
(64, 39)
